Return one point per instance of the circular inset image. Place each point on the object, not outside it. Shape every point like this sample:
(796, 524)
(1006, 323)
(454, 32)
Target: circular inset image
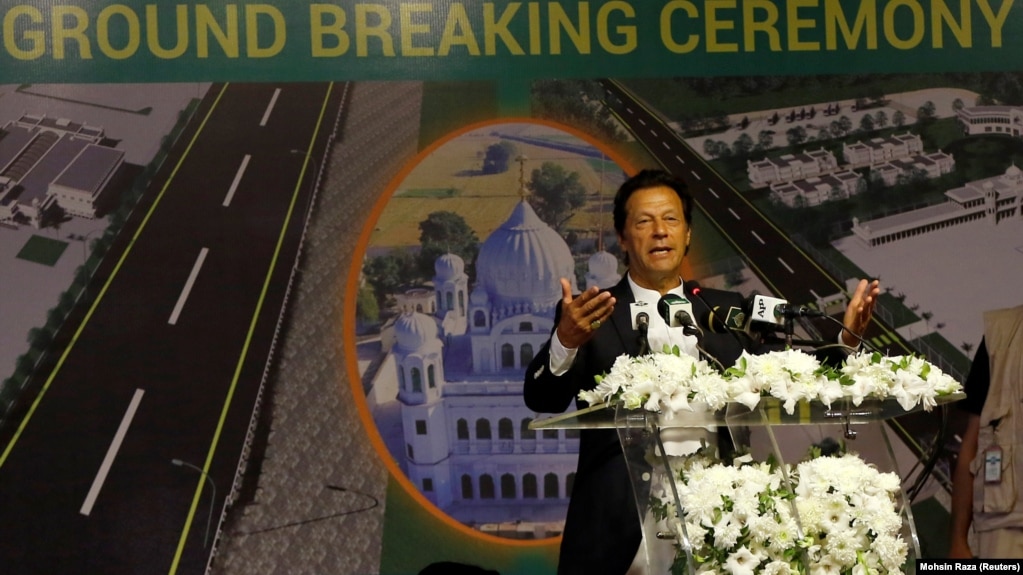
(456, 292)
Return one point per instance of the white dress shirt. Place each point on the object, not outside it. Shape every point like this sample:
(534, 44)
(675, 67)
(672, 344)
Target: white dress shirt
(658, 333)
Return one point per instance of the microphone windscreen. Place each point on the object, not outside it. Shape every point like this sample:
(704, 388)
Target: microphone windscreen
(640, 313)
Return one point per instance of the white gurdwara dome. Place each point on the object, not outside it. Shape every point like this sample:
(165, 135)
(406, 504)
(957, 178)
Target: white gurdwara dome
(602, 270)
(414, 330)
(522, 261)
(603, 264)
(448, 266)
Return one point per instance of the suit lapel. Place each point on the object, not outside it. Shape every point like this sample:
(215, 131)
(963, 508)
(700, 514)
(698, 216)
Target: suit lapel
(621, 317)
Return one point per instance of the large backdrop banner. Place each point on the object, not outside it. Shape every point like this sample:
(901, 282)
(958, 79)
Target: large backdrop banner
(353, 40)
(271, 273)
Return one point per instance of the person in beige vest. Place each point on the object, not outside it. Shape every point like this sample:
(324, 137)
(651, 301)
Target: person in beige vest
(986, 482)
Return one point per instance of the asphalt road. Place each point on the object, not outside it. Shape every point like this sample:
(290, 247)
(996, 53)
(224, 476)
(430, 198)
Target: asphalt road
(168, 361)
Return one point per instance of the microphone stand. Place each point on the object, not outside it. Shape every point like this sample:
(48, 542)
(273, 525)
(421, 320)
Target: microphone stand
(644, 341)
(790, 327)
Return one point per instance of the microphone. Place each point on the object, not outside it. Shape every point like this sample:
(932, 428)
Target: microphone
(765, 309)
(640, 316)
(678, 312)
(799, 311)
(776, 311)
(717, 320)
(641, 323)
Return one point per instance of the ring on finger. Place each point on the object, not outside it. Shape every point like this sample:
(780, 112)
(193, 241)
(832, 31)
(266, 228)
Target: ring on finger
(595, 324)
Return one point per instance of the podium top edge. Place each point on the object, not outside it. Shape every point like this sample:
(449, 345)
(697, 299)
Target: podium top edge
(770, 411)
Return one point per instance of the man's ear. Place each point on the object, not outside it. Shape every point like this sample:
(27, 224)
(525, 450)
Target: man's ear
(689, 236)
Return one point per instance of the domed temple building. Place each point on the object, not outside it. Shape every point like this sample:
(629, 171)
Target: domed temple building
(447, 397)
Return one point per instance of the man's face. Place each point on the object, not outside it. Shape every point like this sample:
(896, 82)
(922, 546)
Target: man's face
(655, 236)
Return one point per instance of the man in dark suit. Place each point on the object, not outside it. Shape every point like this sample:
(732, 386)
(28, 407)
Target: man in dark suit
(652, 217)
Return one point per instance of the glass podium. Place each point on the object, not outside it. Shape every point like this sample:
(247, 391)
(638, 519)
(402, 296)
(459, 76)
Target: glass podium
(664, 452)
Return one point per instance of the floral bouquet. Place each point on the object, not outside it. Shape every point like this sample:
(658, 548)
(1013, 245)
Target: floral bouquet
(669, 382)
(833, 515)
(827, 515)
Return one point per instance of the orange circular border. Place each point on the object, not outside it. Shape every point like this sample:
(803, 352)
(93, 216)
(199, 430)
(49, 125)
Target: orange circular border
(348, 323)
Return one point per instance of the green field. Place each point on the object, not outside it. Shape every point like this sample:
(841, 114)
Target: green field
(41, 250)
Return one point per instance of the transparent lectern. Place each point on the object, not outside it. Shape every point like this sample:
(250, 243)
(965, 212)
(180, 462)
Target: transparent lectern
(656, 446)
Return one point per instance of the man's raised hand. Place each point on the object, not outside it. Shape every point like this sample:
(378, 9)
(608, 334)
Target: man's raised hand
(582, 315)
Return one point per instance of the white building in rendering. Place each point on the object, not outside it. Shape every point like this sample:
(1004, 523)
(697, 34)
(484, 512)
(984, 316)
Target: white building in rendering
(47, 163)
(980, 120)
(933, 165)
(455, 367)
(993, 200)
(880, 150)
(817, 190)
(790, 167)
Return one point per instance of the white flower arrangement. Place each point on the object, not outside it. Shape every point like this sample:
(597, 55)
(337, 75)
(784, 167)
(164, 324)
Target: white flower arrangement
(669, 382)
(742, 518)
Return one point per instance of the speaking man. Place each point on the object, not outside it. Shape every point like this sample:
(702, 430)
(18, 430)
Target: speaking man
(652, 218)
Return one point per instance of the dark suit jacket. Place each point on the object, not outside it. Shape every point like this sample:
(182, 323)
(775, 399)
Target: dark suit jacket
(602, 528)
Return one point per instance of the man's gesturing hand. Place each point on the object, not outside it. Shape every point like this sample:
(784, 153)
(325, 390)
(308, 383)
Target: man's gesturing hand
(583, 315)
(859, 311)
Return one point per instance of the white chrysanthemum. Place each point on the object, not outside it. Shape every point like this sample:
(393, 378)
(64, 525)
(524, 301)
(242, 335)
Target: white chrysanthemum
(843, 544)
(727, 532)
(697, 533)
(890, 550)
(710, 388)
(784, 535)
(811, 512)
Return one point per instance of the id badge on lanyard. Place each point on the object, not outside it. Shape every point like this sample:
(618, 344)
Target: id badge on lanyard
(993, 465)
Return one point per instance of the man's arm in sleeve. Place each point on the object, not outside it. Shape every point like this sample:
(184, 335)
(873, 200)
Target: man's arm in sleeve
(553, 381)
(549, 387)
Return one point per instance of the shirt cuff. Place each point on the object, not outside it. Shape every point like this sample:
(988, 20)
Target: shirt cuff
(561, 356)
(850, 348)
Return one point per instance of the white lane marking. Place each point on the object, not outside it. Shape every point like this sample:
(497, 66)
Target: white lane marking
(188, 286)
(695, 175)
(641, 122)
(734, 215)
(711, 190)
(237, 180)
(815, 296)
(791, 271)
(680, 160)
(665, 144)
(115, 446)
(270, 108)
(629, 110)
(759, 239)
